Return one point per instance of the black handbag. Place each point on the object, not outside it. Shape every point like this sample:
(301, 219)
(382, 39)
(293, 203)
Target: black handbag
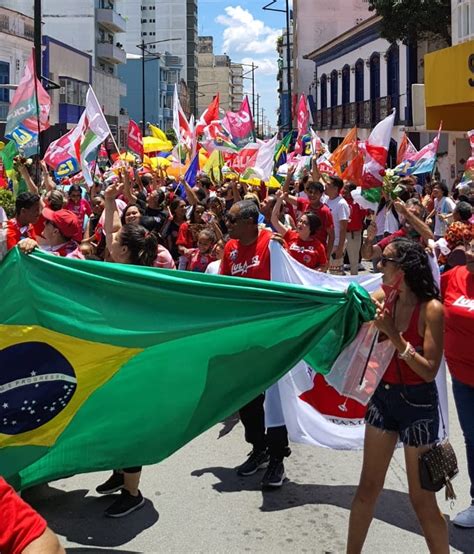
(437, 467)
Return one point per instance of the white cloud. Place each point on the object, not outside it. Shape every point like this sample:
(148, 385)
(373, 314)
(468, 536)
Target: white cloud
(245, 33)
(266, 66)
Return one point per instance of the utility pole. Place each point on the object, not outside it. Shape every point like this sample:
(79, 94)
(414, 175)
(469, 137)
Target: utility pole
(286, 11)
(37, 37)
(253, 89)
(143, 88)
(258, 113)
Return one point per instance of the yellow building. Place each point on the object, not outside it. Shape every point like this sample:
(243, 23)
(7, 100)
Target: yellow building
(449, 87)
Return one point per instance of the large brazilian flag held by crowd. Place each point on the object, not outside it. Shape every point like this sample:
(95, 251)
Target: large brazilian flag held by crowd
(108, 365)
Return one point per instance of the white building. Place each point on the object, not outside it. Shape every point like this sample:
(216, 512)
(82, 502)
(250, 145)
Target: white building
(360, 77)
(16, 42)
(316, 22)
(90, 26)
(449, 90)
(155, 22)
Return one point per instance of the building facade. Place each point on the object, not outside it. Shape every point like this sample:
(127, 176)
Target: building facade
(91, 26)
(284, 106)
(154, 23)
(449, 90)
(237, 85)
(161, 75)
(216, 75)
(16, 42)
(315, 23)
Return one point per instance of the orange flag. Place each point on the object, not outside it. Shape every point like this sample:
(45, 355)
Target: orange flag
(353, 171)
(405, 150)
(345, 152)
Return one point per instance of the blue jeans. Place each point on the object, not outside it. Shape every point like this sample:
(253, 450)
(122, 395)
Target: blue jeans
(464, 398)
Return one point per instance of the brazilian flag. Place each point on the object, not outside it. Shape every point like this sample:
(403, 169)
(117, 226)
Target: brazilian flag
(108, 365)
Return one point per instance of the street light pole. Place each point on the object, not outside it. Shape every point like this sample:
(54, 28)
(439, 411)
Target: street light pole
(286, 11)
(143, 88)
(258, 113)
(142, 46)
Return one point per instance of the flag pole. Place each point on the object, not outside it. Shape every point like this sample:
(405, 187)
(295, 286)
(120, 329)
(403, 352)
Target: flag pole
(37, 107)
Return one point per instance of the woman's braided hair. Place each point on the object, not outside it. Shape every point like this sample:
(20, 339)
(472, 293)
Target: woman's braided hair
(413, 260)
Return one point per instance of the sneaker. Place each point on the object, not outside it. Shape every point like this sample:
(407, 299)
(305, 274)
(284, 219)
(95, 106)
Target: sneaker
(256, 460)
(465, 518)
(275, 474)
(361, 267)
(125, 504)
(113, 484)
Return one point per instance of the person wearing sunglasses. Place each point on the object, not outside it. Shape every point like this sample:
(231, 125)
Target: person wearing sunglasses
(404, 407)
(457, 289)
(247, 254)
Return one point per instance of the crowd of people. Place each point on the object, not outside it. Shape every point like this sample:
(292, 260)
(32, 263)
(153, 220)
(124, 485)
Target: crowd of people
(143, 217)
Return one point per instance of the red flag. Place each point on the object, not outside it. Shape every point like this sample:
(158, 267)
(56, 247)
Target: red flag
(240, 124)
(302, 122)
(61, 155)
(244, 159)
(211, 113)
(135, 139)
(406, 149)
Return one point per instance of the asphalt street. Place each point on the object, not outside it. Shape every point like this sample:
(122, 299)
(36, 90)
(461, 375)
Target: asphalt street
(197, 504)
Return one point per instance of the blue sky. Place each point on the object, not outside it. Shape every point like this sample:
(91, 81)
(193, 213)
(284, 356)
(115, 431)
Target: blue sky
(247, 33)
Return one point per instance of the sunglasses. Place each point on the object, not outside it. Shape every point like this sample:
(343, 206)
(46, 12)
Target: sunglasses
(232, 218)
(385, 259)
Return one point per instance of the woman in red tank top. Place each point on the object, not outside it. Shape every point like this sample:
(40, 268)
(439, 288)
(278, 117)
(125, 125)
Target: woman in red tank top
(405, 405)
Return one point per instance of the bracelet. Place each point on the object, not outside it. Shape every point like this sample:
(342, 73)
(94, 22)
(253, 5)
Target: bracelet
(408, 353)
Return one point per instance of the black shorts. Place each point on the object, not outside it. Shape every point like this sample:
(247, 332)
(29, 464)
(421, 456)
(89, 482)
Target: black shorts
(409, 410)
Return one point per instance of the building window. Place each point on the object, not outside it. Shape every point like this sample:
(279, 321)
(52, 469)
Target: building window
(359, 81)
(374, 76)
(324, 92)
(346, 84)
(465, 17)
(334, 89)
(4, 79)
(393, 76)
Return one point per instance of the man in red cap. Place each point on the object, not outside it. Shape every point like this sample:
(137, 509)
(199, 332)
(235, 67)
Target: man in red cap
(61, 233)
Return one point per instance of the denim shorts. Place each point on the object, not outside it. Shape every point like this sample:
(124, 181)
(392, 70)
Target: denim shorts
(409, 410)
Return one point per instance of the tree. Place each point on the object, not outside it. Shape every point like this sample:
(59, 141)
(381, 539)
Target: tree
(413, 20)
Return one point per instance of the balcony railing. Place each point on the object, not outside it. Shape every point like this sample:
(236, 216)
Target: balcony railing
(111, 20)
(111, 53)
(365, 114)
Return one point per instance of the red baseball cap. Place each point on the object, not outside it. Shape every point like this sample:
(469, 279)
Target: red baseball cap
(66, 221)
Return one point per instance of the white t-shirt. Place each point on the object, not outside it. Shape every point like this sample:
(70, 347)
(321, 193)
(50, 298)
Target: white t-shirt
(340, 212)
(443, 206)
(213, 268)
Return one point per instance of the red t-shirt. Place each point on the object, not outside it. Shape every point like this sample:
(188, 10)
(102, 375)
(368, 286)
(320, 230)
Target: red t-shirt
(310, 253)
(198, 262)
(81, 209)
(356, 219)
(252, 261)
(324, 214)
(20, 524)
(15, 233)
(457, 289)
(387, 240)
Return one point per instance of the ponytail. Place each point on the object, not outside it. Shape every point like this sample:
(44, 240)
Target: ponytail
(141, 243)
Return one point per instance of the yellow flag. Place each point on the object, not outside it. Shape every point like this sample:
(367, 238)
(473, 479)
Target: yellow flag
(153, 144)
(157, 132)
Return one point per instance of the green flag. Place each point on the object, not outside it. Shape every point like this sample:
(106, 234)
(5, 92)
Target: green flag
(108, 365)
(8, 154)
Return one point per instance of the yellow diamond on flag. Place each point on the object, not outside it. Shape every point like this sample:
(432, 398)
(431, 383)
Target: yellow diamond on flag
(45, 378)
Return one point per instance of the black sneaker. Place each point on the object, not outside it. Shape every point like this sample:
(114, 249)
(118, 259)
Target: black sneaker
(113, 484)
(125, 504)
(256, 460)
(275, 474)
